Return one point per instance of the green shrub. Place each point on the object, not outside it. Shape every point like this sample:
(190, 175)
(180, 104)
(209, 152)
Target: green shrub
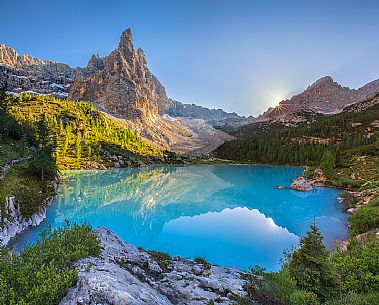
(301, 297)
(349, 199)
(364, 219)
(344, 182)
(203, 261)
(161, 258)
(353, 298)
(42, 273)
(280, 284)
(358, 267)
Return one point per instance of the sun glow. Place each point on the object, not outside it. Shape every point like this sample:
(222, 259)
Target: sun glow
(277, 98)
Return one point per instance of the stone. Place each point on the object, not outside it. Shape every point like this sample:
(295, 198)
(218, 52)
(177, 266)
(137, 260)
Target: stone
(141, 164)
(318, 171)
(124, 274)
(301, 184)
(351, 210)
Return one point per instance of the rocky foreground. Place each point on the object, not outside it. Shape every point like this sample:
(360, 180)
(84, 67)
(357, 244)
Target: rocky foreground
(124, 274)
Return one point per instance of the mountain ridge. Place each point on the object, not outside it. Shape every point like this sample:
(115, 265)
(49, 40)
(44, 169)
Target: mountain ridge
(324, 96)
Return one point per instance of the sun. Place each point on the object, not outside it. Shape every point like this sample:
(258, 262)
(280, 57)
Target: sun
(277, 98)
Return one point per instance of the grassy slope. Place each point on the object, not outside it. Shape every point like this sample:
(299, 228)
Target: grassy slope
(69, 120)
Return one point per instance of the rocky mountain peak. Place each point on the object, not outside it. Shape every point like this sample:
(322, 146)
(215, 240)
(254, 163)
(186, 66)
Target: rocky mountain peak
(95, 64)
(126, 43)
(323, 81)
(324, 85)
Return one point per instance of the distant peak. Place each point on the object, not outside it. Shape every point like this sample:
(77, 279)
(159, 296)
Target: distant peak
(324, 80)
(126, 43)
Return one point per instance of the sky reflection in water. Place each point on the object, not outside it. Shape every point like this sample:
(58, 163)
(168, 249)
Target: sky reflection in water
(231, 215)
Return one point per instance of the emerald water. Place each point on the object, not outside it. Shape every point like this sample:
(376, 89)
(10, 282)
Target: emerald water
(232, 215)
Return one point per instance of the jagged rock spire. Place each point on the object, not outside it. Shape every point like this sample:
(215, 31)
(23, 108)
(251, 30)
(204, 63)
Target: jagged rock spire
(126, 43)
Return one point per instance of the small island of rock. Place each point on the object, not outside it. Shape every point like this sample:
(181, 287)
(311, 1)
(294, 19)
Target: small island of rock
(301, 184)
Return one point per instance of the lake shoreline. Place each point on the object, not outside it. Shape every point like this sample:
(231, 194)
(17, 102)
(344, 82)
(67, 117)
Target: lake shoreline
(218, 177)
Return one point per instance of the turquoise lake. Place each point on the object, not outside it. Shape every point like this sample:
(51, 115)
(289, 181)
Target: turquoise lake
(232, 215)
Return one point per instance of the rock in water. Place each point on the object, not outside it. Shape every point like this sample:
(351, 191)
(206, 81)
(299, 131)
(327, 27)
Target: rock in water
(126, 275)
(301, 184)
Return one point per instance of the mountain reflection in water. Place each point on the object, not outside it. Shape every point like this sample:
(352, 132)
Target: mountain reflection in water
(229, 214)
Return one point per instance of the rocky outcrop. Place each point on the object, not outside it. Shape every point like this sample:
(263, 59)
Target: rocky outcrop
(301, 184)
(122, 83)
(14, 223)
(24, 73)
(324, 97)
(124, 274)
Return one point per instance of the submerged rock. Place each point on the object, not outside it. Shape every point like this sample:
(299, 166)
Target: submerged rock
(301, 184)
(126, 275)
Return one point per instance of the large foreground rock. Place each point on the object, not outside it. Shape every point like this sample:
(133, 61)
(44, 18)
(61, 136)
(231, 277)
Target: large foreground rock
(125, 275)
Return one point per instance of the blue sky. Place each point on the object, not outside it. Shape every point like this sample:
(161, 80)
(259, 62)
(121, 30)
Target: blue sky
(241, 56)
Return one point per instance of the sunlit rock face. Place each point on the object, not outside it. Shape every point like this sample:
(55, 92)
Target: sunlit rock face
(122, 83)
(36, 76)
(324, 97)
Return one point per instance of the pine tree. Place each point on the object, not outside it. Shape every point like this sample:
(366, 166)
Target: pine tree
(310, 266)
(327, 163)
(78, 147)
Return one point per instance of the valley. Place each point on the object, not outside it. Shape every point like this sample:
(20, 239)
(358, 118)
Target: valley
(205, 194)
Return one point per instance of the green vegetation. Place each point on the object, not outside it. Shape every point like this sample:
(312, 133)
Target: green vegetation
(27, 166)
(311, 275)
(162, 258)
(310, 268)
(327, 163)
(77, 132)
(23, 183)
(42, 273)
(304, 144)
(203, 261)
(365, 218)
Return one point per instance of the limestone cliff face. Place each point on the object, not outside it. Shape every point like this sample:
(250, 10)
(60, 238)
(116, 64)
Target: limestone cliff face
(325, 97)
(26, 73)
(122, 83)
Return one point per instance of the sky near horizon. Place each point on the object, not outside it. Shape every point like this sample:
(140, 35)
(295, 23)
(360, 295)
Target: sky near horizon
(241, 56)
